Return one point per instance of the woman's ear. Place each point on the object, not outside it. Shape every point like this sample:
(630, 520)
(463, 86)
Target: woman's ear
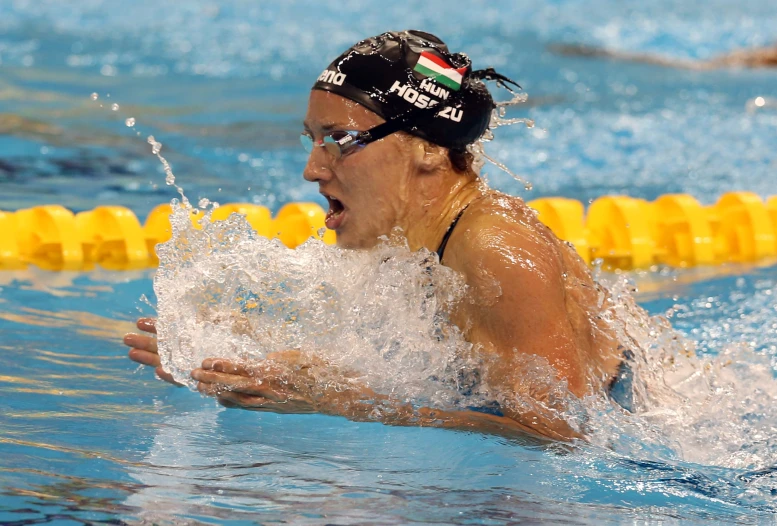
(429, 157)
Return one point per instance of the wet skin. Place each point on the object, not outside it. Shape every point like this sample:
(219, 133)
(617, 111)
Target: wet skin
(528, 293)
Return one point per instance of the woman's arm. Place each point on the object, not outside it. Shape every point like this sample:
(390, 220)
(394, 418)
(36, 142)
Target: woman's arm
(288, 383)
(535, 360)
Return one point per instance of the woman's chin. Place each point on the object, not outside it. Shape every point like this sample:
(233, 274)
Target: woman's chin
(354, 241)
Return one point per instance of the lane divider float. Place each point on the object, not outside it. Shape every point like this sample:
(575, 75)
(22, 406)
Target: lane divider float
(623, 232)
(675, 230)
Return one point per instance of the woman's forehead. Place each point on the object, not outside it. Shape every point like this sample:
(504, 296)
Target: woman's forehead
(328, 111)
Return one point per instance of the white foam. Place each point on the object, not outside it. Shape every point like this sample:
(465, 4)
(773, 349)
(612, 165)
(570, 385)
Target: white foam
(714, 409)
(226, 292)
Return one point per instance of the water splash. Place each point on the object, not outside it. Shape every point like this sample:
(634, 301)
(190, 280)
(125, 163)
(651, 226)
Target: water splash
(156, 148)
(710, 406)
(498, 119)
(383, 315)
(226, 292)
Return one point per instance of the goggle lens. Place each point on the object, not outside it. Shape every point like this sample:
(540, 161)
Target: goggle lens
(307, 142)
(330, 143)
(332, 146)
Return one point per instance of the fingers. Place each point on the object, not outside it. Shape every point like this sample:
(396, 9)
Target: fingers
(142, 342)
(147, 325)
(225, 366)
(152, 359)
(213, 383)
(167, 377)
(232, 399)
(144, 357)
(258, 403)
(145, 350)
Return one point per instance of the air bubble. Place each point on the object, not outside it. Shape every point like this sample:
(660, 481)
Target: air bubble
(130, 122)
(115, 107)
(94, 96)
(204, 202)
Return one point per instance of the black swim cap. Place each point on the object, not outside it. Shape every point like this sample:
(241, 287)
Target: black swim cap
(402, 73)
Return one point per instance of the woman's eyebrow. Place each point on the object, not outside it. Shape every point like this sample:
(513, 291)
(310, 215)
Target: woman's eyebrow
(324, 127)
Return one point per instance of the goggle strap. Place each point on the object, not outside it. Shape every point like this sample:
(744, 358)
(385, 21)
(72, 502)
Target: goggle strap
(396, 124)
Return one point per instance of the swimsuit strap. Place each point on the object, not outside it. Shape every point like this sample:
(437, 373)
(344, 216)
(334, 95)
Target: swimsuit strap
(444, 243)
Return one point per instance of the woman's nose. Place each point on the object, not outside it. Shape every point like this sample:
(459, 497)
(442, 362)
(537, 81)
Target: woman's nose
(318, 167)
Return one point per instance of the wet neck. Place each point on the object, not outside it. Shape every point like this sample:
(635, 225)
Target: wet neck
(436, 211)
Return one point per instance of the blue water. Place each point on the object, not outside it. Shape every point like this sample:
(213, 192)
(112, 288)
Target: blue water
(86, 437)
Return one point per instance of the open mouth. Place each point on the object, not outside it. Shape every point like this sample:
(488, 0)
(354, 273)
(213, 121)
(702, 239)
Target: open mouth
(334, 216)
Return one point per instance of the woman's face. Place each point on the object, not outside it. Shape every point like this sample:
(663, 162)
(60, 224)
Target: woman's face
(368, 190)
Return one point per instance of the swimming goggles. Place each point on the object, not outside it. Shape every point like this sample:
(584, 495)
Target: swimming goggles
(340, 143)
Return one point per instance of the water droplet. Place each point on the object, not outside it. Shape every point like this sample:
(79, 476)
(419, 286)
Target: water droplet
(115, 107)
(156, 147)
(204, 202)
(94, 96)
(130, 122)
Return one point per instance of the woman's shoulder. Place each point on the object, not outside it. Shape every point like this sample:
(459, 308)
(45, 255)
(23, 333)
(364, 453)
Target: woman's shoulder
(502, 214)
(501, 224)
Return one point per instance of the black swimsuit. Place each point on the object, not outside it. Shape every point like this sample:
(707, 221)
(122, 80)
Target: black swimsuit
(444, 243)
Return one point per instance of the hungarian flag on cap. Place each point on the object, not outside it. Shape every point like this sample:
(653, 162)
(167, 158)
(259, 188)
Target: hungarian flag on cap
(437, 69)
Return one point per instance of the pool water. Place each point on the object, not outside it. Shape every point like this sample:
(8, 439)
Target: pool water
(87, 437)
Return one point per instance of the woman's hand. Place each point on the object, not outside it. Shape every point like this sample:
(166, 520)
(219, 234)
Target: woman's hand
(280, 384)
(144, 349)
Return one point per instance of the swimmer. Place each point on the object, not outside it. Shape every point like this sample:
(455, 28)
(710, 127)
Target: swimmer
(765, 57)
(387, 129)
